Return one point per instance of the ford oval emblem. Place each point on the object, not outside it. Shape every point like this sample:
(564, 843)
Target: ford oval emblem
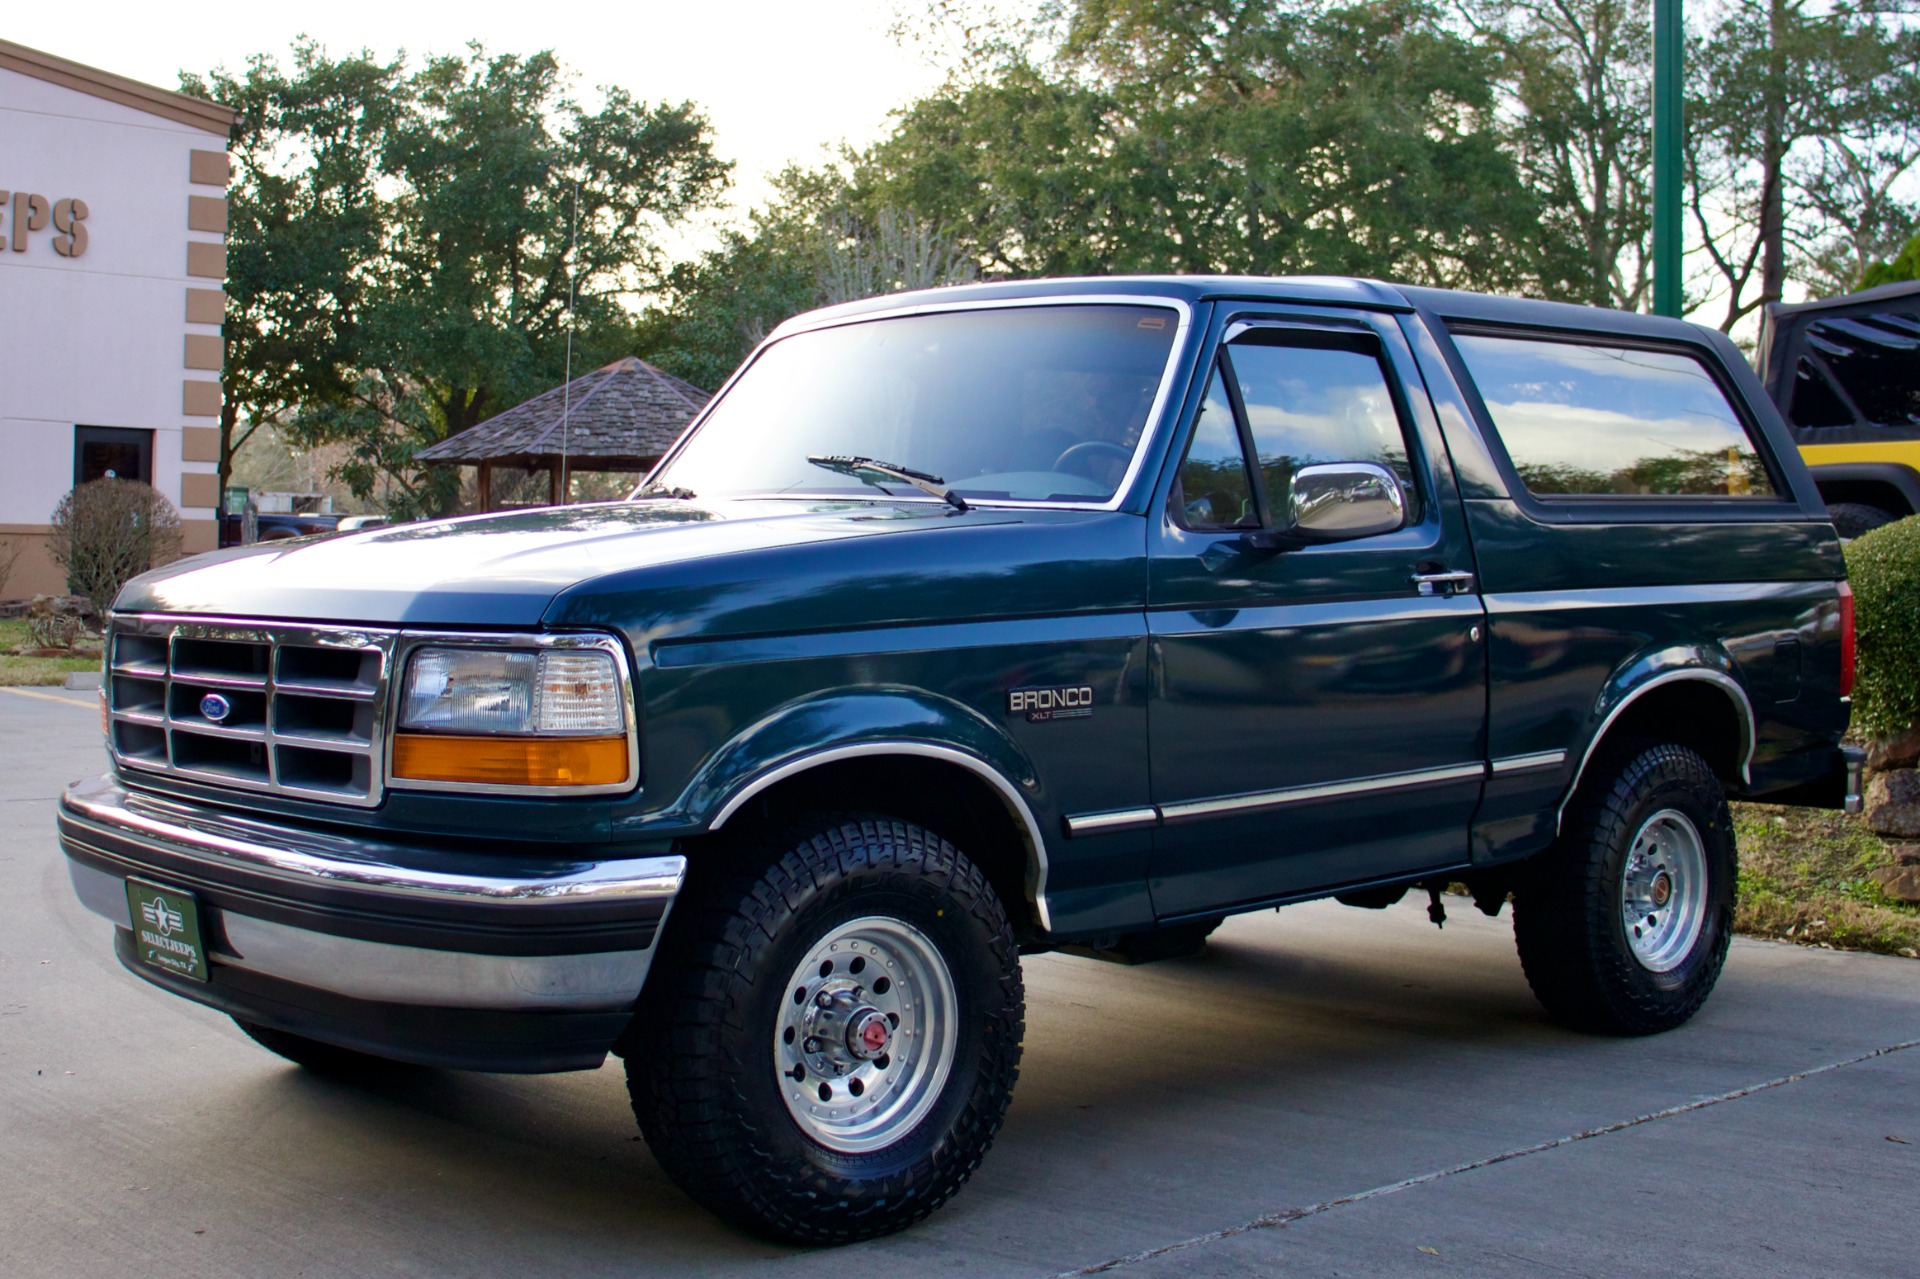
(215, 707)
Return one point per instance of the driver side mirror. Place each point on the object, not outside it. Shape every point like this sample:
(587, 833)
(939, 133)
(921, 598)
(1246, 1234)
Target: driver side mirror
(1335, 502)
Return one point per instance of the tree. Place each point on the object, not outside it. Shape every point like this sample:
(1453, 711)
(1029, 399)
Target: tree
(813, 245)
(1264, 136)
(1905, 266)
(107, 532)
(1575, 77)
(1803, 130)
(473, 216)
(304, 227)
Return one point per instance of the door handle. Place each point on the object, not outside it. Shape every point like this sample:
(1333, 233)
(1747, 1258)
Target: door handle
(1454, 583)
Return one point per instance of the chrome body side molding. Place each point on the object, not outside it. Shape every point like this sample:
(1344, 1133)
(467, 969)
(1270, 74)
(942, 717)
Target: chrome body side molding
(1191, 810)
(1536, 762)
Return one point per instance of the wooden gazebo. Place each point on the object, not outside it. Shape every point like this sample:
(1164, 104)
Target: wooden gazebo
(621, 417)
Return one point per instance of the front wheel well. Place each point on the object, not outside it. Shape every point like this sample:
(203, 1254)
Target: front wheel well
(944, 797)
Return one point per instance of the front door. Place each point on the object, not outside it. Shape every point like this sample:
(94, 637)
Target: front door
(1318, 712)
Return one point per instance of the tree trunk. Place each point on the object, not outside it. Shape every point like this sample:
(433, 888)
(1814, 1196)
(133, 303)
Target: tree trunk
(1773, 126)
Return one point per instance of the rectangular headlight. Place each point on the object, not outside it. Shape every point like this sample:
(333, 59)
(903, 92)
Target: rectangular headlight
(488, 691)
(488, 719)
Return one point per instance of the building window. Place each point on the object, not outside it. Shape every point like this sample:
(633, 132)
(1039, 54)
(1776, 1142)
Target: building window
(103, 451)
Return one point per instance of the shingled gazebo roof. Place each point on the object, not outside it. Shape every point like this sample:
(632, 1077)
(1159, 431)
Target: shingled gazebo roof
(621, 417)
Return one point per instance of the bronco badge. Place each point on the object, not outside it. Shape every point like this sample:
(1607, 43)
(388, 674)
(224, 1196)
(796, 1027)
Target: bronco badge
(1069, 701)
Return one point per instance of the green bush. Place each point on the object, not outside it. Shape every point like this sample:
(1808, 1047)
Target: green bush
(1884, 567)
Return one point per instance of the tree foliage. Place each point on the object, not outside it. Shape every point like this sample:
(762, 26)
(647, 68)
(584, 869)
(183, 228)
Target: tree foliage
(107, 532)
(1904, 266)
(412, 246)
(1803, 144)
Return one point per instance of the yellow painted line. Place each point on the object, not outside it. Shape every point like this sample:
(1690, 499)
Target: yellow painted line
(90, 704)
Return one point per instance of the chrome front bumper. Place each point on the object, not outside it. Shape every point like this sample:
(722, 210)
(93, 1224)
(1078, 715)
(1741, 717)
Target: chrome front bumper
(291, 910)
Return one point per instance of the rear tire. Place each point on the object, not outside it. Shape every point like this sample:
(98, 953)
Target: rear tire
(319, 1057)
(1851, 519)
(1623, 924)
(762, 1066)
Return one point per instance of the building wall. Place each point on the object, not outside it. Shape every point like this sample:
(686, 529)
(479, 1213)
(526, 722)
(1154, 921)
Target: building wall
(105, 338)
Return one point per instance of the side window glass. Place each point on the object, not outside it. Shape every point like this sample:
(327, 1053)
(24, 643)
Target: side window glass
(1215, 489)
(1582, 419)
(1876, 360)
(1327, 401)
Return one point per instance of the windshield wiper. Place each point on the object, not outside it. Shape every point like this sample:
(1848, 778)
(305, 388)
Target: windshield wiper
(868, 471)
(667, 490)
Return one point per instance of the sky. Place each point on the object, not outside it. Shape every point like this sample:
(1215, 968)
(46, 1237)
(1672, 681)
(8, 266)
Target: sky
(779, 80)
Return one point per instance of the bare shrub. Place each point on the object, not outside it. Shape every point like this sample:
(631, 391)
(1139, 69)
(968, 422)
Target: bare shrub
(107, 532)
(10, 549)
(55, 622)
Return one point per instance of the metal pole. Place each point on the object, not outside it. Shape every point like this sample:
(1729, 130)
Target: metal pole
(1669, 45)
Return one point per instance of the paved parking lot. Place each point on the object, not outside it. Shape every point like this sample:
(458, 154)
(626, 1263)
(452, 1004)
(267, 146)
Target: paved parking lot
(1325, 1092)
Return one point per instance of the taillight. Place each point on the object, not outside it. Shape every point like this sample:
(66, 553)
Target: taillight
(1846, 640)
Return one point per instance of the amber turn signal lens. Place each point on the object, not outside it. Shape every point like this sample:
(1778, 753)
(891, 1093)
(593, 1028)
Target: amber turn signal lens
(510, 761)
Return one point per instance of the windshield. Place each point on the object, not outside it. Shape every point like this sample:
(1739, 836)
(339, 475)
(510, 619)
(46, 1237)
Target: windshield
(1025, 403)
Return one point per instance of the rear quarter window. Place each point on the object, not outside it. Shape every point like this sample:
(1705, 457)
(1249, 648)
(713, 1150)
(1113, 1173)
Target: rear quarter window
(1592, 420)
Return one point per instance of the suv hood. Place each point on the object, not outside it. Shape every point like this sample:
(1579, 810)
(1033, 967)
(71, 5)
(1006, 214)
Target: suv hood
(504, 569)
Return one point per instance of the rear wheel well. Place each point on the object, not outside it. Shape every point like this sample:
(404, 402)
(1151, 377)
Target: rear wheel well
(1879, 493)
(945, 798)
(1687, 712)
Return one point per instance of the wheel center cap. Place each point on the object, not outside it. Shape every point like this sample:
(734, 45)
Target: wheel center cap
(1662, 889)
(869, 1034)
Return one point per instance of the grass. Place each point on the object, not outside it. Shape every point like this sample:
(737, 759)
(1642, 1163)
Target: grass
(34, 670)
(1807, 876)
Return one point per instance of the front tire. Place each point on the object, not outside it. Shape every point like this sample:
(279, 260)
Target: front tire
(827, 1048)
(1623, 925)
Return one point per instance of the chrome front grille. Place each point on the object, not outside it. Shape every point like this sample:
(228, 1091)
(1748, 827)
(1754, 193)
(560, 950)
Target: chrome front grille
(293, 710)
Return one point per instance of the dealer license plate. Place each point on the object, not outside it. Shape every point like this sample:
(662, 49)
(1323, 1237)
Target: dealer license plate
(166, 929)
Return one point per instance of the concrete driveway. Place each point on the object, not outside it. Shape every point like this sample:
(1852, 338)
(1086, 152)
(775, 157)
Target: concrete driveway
(1326, 1091)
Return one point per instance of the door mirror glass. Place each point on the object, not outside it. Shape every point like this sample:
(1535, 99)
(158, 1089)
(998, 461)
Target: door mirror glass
(1335, 501)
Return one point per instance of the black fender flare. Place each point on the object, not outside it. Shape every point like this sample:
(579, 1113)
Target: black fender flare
(1901, 478)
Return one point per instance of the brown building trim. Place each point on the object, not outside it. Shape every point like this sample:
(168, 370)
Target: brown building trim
(207, 213)
(199, 444)
(199, 535)
(208, 168)
(200, 398)
(94, 82)
(199, 488)
(206, 306)
(205, 351)
(208, 261)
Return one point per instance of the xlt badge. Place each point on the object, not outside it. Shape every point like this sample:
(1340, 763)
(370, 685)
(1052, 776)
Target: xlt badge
(1066, 701)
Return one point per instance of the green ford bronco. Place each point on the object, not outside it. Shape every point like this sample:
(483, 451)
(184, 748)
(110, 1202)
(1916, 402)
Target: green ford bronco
(972, 624)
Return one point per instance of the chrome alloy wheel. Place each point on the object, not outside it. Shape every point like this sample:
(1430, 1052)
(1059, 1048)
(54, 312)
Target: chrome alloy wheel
(866, 1035)
(1663, 891)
